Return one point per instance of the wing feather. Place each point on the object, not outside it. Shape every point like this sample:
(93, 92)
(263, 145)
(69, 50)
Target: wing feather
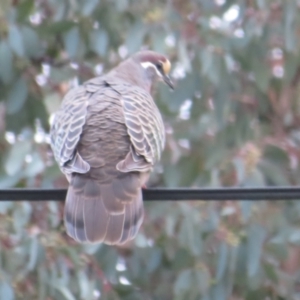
(66, 130)
(144, 124)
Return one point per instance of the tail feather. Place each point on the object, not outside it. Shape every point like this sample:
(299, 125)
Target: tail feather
(114, 229)
(126, 187)
(96, 213)
(95, 219)
(134, 215)
(112, 203)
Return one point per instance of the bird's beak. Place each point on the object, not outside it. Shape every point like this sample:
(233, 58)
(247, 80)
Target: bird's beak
(168, 81)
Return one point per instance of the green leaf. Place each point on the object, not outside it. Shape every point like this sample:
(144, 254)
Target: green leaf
(183, 282)
(33, 253)
(135, 37)
(5, 7)
(99, 41)
(206, 58)
(261, 72)
(15, 40)
(6, 291)
(25, 7)
(32, 43)
(271, 272)
(15, 159)
(88, 6)
(58, 27)
(240, 169)
(158, 41)
(71, 41)
(9, 181)
(66, 292)
(254, 179)
(52, 102)
(213, 65)
(17, 96)
(35, 167)
(203, 280)
(84, 284)
(218, 292)
(222, 261)
(171, 176)
(42, 281)
(107, 257)
(290, 14)
(274, 173)
(154, 260)
(21, 216)
(255, 238)
(182, 259)
(57, 75)
(121, 5)
(5, 206)
(246, 209)
(189, 236)
(6, 60)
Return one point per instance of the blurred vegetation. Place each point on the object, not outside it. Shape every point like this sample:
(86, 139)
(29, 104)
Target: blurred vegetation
(233, 120)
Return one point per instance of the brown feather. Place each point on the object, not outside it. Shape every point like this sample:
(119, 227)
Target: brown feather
(87, 218)
(106, 138)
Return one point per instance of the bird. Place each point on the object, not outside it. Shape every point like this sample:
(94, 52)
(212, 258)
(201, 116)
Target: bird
(106, 137)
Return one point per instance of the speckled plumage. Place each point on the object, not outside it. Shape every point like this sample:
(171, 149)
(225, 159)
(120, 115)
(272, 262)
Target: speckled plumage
(106, 138)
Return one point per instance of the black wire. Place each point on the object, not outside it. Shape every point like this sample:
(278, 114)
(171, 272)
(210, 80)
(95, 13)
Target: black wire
(162, 194)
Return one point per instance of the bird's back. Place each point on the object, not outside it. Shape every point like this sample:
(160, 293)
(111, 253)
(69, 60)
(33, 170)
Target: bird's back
(103, 204)
(106, 138)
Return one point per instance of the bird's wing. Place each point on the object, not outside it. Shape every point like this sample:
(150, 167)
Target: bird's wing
(144, 126)
(66, 130)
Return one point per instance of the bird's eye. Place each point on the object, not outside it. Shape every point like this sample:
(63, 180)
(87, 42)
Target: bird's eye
(159, 66)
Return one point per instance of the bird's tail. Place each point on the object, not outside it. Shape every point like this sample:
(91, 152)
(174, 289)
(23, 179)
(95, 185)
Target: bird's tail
(111, 213)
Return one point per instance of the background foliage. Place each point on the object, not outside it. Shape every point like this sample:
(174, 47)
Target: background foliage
(232, 121)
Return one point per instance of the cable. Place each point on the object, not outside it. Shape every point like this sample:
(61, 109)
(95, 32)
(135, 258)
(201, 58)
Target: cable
(163, 194)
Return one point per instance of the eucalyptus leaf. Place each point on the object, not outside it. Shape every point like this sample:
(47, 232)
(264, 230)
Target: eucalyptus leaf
(17, 96)
(99, 41)
(33, 253)
(36, 165)
(256, 236)
(222, 261)
(84, 284)
(16, 156)
(218, 292)
(246, 208)
(24, 9)
(89, 6)
(66, 293)
(135, 37)
(58, 27)
(189, 236)
(261, 72)
(32, 43)
(183, 282)
(203, 280)
(71, 41)
(15, 40)
(6, 62)
(21, 217)
(6, 291)
(289, 30)
(5, 206)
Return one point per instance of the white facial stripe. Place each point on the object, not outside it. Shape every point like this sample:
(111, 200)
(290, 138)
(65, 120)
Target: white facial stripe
(148, 64)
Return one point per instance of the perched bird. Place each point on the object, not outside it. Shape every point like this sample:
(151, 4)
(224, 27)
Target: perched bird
(106, 137)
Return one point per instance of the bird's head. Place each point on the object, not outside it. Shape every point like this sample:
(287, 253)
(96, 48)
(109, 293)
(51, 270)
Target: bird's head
(156, 66)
